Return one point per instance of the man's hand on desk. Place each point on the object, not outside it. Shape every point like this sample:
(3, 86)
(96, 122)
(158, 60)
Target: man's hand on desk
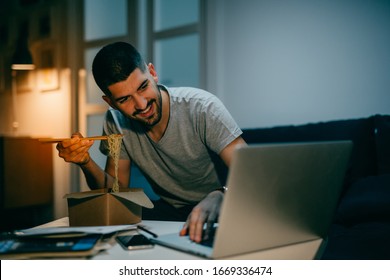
(207, 211)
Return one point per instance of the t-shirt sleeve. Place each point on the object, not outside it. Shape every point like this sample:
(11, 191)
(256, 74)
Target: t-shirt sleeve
(219, 128)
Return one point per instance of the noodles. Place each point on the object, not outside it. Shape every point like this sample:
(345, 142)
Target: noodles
(114, 146)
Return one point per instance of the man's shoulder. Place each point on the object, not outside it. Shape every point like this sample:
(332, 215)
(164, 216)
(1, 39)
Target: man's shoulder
(190, 94)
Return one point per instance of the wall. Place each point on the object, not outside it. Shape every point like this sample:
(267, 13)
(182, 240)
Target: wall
(291, 62)
(42, 113)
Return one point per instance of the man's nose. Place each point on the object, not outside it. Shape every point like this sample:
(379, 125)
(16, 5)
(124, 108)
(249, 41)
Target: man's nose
(140, 102)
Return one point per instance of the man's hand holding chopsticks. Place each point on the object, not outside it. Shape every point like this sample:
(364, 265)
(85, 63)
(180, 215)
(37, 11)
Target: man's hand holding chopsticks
(75, 149)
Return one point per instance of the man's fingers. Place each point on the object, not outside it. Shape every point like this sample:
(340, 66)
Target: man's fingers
(207, 211)
(196, 222)
(184, 230)
(75, 149)
(77, 134)
(196, 232)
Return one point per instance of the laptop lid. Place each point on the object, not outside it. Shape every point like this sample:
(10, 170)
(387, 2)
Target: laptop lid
(278, 195)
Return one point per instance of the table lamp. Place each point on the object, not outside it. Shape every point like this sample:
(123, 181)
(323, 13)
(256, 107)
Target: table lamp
(21, 60)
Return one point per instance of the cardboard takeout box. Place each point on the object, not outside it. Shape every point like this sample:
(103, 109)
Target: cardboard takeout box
(102, 207)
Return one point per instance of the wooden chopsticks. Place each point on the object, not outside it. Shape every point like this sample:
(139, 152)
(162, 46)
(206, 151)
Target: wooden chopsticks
(57, 140)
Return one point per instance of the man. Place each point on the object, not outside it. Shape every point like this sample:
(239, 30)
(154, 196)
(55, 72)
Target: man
(169, 133)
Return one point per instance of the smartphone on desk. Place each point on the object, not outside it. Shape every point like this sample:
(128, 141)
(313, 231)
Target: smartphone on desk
(134, 242)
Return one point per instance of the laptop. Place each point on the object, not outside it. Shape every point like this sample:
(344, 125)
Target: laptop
(280, 202)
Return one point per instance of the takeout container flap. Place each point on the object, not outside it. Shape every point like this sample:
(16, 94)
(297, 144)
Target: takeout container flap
(135, 195)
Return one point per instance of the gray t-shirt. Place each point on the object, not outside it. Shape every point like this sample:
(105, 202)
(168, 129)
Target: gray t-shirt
(178, 166)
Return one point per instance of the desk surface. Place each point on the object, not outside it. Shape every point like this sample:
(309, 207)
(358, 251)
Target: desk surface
(116, 252)
(302, 251)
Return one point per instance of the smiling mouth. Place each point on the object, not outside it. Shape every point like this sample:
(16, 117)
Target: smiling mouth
(147, 112)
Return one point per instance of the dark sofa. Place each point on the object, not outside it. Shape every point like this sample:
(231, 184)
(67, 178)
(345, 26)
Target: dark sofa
(361, 226)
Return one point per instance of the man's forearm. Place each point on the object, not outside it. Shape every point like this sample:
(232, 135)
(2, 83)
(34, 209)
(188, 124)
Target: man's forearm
(95, 176)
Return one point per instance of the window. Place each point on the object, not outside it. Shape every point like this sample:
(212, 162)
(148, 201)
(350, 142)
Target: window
(176, 40)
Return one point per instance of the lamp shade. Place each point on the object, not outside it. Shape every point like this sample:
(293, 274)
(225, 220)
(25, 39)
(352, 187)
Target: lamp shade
(22, 58)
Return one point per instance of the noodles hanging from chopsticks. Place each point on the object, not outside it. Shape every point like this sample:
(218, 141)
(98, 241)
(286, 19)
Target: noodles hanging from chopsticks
(114, 146)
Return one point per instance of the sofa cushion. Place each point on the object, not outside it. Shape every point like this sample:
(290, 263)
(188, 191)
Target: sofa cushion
(368, 241)
(382, 139)
(360, 131)
(367, 200)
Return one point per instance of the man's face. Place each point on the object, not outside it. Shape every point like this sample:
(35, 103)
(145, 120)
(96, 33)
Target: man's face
(138, 97)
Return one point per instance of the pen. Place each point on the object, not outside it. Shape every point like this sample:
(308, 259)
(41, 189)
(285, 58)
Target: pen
(146, 230)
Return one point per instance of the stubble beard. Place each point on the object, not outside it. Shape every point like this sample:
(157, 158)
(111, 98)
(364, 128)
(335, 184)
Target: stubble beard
(156, 117)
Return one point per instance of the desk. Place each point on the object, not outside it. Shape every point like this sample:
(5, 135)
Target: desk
(26, 182)
(116, 252)
(299, 251)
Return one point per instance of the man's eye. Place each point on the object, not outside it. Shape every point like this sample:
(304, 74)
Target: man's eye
(144, 86)
(123, 100)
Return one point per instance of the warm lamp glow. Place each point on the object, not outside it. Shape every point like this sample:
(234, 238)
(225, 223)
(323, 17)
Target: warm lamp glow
(22, 66)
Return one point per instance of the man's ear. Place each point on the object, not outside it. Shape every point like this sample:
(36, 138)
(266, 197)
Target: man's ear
(153, 72)
(108, 101)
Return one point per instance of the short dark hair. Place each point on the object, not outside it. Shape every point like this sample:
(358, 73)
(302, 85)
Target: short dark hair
(114, 63)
